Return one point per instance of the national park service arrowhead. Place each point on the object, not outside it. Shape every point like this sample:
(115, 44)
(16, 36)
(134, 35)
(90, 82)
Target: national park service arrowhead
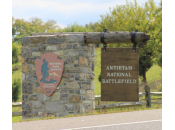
(49, 71)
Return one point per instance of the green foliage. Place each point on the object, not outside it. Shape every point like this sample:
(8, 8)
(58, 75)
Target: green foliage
(16, 51)
(76, 28)
(147, 18)
(16, 85)
(160, 60)
(21, 28)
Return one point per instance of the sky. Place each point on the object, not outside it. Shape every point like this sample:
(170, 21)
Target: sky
(66, 12)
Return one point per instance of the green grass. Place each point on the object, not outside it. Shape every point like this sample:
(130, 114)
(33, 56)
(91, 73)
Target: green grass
(97, 71)
(16, 118)
(94, 112)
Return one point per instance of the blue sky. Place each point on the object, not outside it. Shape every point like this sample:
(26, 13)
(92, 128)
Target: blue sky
(65, 12)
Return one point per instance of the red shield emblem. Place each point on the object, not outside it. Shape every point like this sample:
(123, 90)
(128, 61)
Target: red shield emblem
(49, 71)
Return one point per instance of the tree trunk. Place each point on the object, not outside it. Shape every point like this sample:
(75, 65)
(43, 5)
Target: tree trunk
(144, 73)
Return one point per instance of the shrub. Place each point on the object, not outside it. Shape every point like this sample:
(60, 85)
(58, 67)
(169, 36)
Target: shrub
(16, 85)
(16, 51)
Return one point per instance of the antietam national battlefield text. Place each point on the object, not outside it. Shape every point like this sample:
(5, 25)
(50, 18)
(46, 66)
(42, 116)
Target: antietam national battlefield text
(115, 74)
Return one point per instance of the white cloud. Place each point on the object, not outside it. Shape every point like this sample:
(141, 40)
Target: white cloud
(67, 8)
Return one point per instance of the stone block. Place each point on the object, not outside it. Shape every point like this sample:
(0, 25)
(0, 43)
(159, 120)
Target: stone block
(82, 91)
(93, 51)
(23, 76)
(26, 51)
(24, 97)
(90, 94)
(64, 96)
(38, 105)
(81, 38)
(68, 65)
(55, 96)
(92, 67)
(59, 53)
(76, 62)
(91, 59)
(33, 97)
(69, 107)
(40, 47)
(54, 106)
(93, 105)
(65, 75)
(57, 114)
(84, 70)
(90, 76)
(74, 99)
(73, 70)
(56, 41)
(73, 85)
(83, 61)
(77, 108)
(36, 54)
(69, 79)
(37, 88)
(92, 85)
(80, 77)
(51, 48)
(63, 114)
(61, 82)
(24, 113)
(70, 60)
(33, 113)
(87, 102)
(75, 46)
(73, 53)
(37, 39)
(31, 78)
(31, 60)
(84, 46)
(25, 41)
(85, 85)
(40, 113)
(43, 97)
(65, 46)
(23, 60)
(63, 101)
(25, 68)
(88, 107)
(26, 88)
(26, 105)
(72, 38)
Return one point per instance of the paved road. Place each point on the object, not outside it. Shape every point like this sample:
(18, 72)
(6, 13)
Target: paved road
(136, 120)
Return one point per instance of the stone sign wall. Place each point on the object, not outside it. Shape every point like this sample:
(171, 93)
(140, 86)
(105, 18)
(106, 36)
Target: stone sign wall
(75, 92)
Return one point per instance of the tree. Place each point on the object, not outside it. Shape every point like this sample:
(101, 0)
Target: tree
(76, 28)
(160, 60)
(16, 85)
(45, 73)
(147, 18)
(51, 26)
